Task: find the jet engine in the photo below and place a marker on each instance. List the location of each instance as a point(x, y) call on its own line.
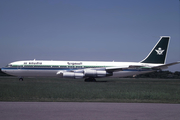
point(85, 73)
point(70, 75)
point(95, 73)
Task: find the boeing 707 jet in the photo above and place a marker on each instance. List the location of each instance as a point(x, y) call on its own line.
point(89, 70)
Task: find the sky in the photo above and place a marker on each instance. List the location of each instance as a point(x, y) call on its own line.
point(87, 30)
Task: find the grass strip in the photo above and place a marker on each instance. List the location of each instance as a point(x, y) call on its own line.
point(76, 90)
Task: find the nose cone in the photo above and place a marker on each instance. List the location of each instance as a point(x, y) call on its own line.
point(5, 72)
point(2, 71)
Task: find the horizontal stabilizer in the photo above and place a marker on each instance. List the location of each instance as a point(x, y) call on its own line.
point(165, 65)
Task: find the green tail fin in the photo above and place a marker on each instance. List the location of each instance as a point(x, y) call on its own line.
point(159, 52)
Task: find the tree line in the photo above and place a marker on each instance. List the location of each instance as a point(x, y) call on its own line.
point(160, 74)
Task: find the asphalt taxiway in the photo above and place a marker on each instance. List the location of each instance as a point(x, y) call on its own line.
point(88, 111)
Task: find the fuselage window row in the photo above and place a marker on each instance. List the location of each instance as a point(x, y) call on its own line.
point(51, 66)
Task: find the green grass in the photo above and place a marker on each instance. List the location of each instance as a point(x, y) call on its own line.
point(76, 90)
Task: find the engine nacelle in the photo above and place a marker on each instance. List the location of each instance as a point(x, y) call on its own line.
point(70, 75)
point(85, 73)
point(95, 73)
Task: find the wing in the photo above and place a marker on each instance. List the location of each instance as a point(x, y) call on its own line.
point(108, 71)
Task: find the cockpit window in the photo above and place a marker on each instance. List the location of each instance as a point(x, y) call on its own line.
point(9, 65)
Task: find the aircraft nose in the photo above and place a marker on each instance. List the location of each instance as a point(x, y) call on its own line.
point(3, 70)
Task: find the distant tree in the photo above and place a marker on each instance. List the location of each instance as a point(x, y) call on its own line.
point(177, 73)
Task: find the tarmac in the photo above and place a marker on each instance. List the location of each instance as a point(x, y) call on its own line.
point(88, 111)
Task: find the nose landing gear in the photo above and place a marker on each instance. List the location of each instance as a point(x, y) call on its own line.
point(20, 79)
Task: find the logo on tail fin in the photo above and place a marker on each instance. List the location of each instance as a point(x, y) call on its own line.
point(159, 51)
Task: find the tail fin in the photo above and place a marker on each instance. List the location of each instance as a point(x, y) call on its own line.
point(159, 52)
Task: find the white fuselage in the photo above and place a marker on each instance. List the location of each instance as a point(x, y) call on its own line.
point(39, 68)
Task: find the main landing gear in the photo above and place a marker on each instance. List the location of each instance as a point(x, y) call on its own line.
point(90, 79)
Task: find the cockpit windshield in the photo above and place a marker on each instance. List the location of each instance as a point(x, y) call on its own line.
point(9, 65)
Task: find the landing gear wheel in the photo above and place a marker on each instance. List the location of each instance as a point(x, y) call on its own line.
point(20, 79)
point(90, 80)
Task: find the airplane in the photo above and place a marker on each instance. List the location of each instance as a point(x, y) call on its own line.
point(90, 70)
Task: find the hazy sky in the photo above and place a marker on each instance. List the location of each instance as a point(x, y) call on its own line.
point(98, 30)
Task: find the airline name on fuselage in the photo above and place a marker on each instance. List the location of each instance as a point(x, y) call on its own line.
point(80, 63)
point(33, 63)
